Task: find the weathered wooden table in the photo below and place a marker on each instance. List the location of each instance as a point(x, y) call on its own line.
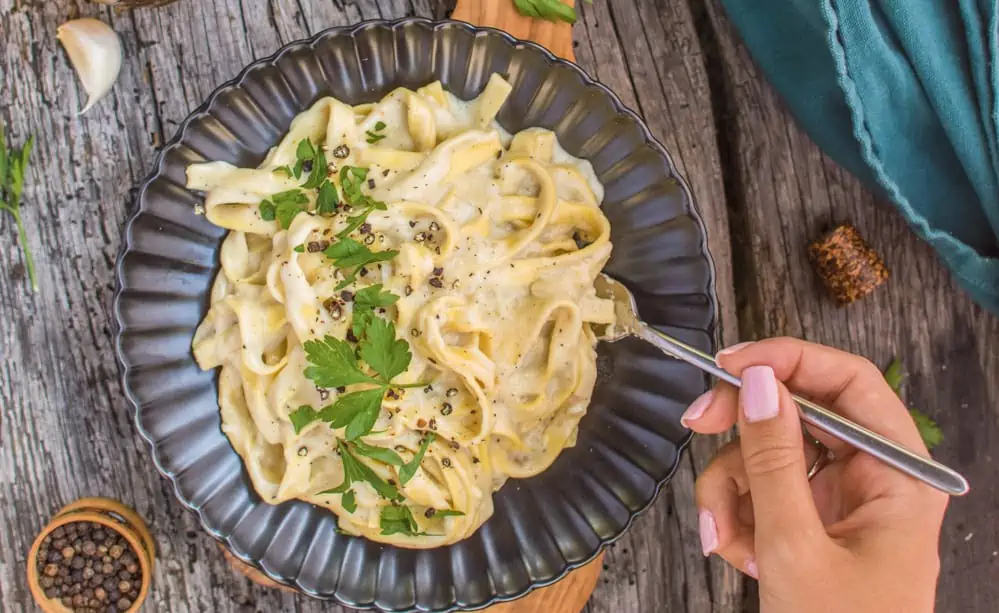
point(763, 187)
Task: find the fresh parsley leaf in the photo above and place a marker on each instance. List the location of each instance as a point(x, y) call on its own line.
point(351, 180)
point(378, 453)
point(373, 137)
point(349, 502)
point(408, 470)
point(369, 405)
point(355, 470)
point(894, 375)
point(354, 222)
point(305, 151)
point(284, 206)
point(448, 513)
point(319, 171)
point(284, 170)
point(348, 253)
point(302, 416)
point(398, 520)
point(365, 302)
point(13, 165)
point(299, 249)
point(929, 430)
point(379, 126)
point(268, 211)
point(347, 407)
point(333, 363)
point(384, 353)
point(328, 199)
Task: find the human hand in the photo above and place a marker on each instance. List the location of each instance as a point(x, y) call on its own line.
point(860, 537)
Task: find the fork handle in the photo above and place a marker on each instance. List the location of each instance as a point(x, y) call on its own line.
point(925, 469)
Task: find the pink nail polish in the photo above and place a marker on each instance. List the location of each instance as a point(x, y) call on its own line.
point(733, 348)
point(697, 408)
point(752, 569)
point(709, 531)
point(758, 396)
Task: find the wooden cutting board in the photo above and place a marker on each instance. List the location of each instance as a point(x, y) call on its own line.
point(570, 594)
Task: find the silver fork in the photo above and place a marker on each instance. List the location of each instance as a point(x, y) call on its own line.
point(925, 469)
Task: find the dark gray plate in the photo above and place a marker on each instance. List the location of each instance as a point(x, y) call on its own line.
point(629, 442)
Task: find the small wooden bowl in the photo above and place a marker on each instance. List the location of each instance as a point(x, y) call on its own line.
point(110, 514)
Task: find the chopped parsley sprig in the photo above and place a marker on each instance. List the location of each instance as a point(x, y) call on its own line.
point(376, 134)
point(333, 363)
point(355, 470)
point(350, 254)
point(13, 164)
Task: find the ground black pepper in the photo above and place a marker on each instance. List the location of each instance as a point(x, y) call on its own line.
point(341, 152)
point(89, 568)
point(436, 282)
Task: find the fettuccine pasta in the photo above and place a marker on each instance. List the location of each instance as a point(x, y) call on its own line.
point(402, 319)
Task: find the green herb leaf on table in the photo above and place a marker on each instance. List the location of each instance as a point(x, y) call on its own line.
point(383, 352)
point(894, 375)
point(333, 363)
point(929, 430)
point(302, 417)
point(397, 519)
point(378, 453)
point(408, 471)
point(13, 165)
point(552, 10)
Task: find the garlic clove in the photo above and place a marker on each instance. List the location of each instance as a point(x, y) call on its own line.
point(95, 52)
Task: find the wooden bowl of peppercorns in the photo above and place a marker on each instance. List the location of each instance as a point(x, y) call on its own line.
point(95, 556)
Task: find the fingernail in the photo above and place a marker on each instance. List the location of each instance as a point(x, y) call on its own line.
point(732, 349)
point(697, 408)
point(709, 532)
point(752, 569)
point(759, 393)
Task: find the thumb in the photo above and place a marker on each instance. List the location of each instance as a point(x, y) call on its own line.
point(774, 458)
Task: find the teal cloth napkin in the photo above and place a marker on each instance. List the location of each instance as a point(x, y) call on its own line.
point(902, 93)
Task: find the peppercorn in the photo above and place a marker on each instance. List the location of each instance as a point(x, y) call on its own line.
point(341, 152)
point(436, 282)
point(89, 568)
point(446, 409)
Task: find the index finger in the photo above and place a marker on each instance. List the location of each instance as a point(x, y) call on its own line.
point(849, 384)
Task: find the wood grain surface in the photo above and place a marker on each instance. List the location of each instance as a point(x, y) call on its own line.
point(762, 186)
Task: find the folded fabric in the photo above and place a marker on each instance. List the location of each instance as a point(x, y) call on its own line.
point(902, 93)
